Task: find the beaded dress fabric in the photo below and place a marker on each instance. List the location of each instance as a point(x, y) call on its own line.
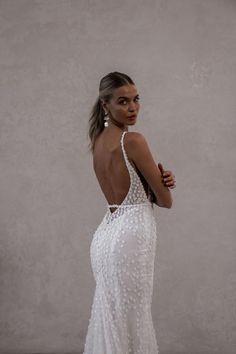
point(122, 254)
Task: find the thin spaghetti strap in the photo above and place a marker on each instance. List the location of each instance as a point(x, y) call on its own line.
point(128, 164)
point(122, 137)
point(123, 148)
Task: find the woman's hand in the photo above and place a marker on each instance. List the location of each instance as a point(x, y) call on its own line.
point(168, 178)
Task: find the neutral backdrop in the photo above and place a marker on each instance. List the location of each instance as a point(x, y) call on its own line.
point(182, 56)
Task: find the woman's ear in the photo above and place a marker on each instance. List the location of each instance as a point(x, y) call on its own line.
point(103, 103)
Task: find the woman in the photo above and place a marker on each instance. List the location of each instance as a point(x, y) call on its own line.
point(123, 247)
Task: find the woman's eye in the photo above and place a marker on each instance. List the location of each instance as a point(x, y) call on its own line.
point(124, 101)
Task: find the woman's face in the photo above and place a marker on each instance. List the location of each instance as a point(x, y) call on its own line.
point(123, 105)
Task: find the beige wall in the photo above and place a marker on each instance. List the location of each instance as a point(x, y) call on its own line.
point(182, 56)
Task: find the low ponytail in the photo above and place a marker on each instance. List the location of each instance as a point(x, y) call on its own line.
point(96, 124)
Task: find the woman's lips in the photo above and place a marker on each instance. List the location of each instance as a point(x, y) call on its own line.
point(132, 117)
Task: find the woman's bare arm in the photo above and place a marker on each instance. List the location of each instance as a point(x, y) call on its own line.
point(138, 150)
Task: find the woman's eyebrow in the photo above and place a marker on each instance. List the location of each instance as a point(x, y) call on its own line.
point(127, 97)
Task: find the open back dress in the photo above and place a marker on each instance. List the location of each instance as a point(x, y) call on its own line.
point(122, 254)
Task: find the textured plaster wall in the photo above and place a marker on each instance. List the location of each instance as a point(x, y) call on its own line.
point(182, 56)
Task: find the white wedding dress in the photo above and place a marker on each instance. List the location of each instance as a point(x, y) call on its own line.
point(122, 255)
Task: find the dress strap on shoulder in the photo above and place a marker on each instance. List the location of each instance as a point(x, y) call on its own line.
point(122, 137)
point(123, 148)
point(128, 164)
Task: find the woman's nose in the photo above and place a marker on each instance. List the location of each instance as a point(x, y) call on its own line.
point(132, 107)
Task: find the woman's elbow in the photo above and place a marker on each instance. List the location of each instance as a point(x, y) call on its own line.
point(165, 205)
point(169, 204)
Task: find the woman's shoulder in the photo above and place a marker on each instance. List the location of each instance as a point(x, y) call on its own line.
point(137, 146)
point(134, 138)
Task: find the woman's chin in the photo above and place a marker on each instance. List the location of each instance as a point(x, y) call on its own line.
point(132, 121)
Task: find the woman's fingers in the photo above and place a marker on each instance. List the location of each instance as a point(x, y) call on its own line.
point(167, 176)
point(168, 179)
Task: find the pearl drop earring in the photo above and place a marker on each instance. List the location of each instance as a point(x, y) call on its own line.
point(106, 118)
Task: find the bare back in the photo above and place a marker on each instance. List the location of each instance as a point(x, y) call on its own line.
point(110, 168)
